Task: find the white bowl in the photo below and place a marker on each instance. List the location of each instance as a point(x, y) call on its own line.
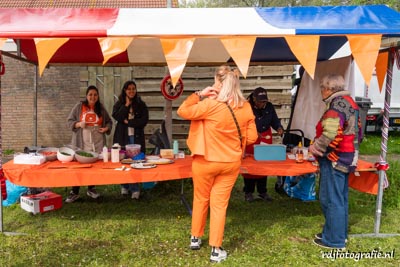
point(86, 159)
point(65, 154)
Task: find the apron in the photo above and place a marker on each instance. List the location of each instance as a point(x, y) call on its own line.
point(266, 138)
point(92, 139)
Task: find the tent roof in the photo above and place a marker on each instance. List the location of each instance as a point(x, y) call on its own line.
point(207, 35)
point(85, 3)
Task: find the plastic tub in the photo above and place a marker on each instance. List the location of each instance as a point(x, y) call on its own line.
point(132, 150)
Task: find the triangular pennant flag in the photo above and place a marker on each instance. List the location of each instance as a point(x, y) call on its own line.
point(46, 48)
point(176, 52)
point(112, 46)
point(305, 48)
point(381, 68)
point(2, 42)
point(240, 49)
point(365, 49)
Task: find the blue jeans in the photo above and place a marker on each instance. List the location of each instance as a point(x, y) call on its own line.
point(132, 187)
point(333, 197)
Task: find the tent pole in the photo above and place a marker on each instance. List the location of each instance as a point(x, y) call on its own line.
point(385, 131)
point(35, 105)
point(168, 104)
point(1, 165)
point(382, 160)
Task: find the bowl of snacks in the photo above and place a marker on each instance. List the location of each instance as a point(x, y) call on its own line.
point(83, 156)
point(65, 154)
point(50, 153)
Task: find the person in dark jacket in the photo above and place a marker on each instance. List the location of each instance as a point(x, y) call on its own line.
point(265, 118)
point(132, 115)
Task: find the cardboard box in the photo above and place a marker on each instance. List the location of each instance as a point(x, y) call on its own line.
point(167, 153)
point(40, 203)
point(270, 152)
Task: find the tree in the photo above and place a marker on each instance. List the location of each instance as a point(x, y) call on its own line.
point(395, 4)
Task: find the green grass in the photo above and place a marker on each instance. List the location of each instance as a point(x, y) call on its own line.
point(371, 143)
point(154, 231)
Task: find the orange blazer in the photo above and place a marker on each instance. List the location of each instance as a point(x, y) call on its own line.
point(213, 132)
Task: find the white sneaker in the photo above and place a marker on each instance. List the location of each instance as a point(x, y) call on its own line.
point(135, 195)
point(92, 193)
point(72, 197)
point(124, 191)
point(218, 254)
point(195, 243)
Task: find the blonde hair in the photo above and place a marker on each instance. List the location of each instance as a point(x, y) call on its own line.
point(230, 90)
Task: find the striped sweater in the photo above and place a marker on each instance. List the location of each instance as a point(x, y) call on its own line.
point(338, 132)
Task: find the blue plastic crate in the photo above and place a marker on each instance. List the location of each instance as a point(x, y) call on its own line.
point(270, 152)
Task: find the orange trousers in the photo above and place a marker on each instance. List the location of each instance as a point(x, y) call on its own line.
point(213, 183)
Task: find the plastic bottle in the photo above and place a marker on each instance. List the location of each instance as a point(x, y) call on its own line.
point(176, 147)
point(299, 154)
point(105, 154)
point(310, 155)
point(115, 153)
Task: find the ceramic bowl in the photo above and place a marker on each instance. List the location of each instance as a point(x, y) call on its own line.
point(50, 153)
point(82, 158)
point(65, 154)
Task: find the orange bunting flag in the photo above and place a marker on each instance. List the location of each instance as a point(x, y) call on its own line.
point(381, 68)
point(240, 49)
point(365, 49)
point(305, 48)
point(112, 46)
point(2, 42)
point(46, 48)
point(176, 52)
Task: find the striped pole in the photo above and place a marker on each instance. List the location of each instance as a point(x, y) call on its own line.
point(383, 182)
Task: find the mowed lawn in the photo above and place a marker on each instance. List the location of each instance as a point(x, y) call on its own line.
point(155, 231)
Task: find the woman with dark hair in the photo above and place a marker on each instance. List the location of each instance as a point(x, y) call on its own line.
point(89, 122)
point(132, 115)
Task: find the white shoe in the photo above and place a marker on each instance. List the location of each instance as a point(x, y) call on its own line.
point(92, 193)
point(124, 191)
point(135, 195)
point(195, 243)
point(218, 254)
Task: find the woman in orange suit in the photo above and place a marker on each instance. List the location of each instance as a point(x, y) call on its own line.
point(216, 140)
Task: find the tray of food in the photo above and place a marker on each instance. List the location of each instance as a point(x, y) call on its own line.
point(160, 161)
point(142, 165)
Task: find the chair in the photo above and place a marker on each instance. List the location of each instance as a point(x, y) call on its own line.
point(160, 139)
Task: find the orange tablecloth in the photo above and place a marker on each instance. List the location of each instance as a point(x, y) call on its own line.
point(367, 181)
point(100, 173)
point(276, 168)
